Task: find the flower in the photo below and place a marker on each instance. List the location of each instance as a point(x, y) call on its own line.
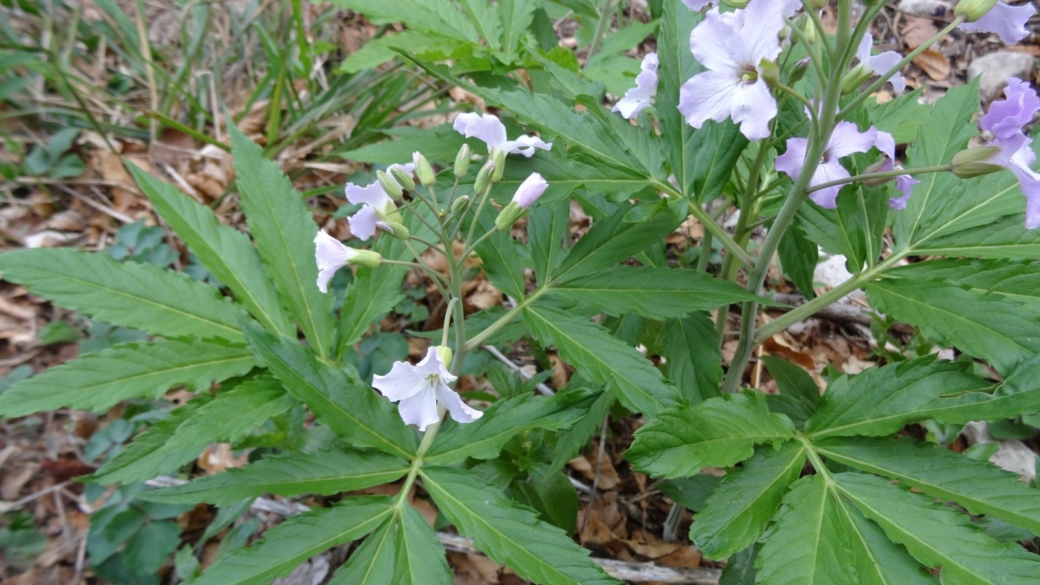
point(904, 183)
point(490, 129)
point(406, 168)
point(377, 207)
point(790, 7)
point(420, 387)
point(880, 64)
point(641, 96)
point(331, 255)
point(845, 140)
point(365, 222)
point(1006, 117)
point(732, 46)
point(372, 195)
point(1009, 22)
point(530, 190)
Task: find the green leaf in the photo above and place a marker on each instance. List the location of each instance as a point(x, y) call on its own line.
point(737, 512)
point(299, 538)
point(350, 409)
point(701, 160)
point(510, 534)
point(982, 325)
point(516, 18)
point(602, 358)
point(485, 17)
point(97, 381)
point(657, 293)
point(792, 380)
point(499, 258)
point(132, 294)
point(179, 438)
point(565, 174)
point(438, 144)
point(547, 226)
point(284, 231)
point(879, 561)
point(372, 294)
point(569, 443)
point(373, 561)
point(1015, 281)
point(226, 252)
point(151, 546)
point(717, 432)
point(937, 535)
point(611, 241)
point(690, 492)
point(323, 473)
point(980, 487)
point(799, 256)
point(1004, 238)
point(862, 213)
point(438, 16)
point(808, 543)
point(485, 437)
point(693, 360)
point(419, 557)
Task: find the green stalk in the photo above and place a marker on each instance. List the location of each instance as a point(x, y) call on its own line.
point(505, 319)
point(883, 175)
point(710, 226)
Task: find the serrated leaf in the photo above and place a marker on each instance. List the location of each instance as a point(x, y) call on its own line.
point(547, 226)
point(484, 17)
point(719, 432)
point(799, 256)
point(372, 294)
point(151, 546)
point(981, 325)
point(792, 380)
point(352, 410)
point(499, 258)
point(693, 360)
point(1004, 238)
point(284, 231)
point(419, 558)
point(438, 16)
point(570, 442)
point(485, 437)
point(807, 544)
point(1015, 281)
point(373, 562)
point(97, 381)
point(738, 511)
point(611, 241)
point(657, 293)
point(509, 533)
point(516, 18)
point(937, 535)
point(323, 473)
point(564, 174)
point(132, 294)
point(299, 538)
point(181, 436)
point(879, 561)
point(980, 487)
point(226, 252)
point(602, 358)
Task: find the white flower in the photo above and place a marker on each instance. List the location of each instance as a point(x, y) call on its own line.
point(642, 95)
point(420, 387)
point(490, 129)
point(331, 255)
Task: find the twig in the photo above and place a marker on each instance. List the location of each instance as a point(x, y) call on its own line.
point(547, 391)
point(626, 571)
point(8, 506)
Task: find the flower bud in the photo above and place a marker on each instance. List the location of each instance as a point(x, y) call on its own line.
point(423, 170)
point(445, 354)
point(363, 258)
point(499, 158)
point(769, 72)
point(396, 230)
point(975, 162)
point(484, 177)
point(798, 71)
point(392, 187)
point(973, 10)
point(458, 205)
point(854, 79)
point(403, 178)
point(529, 191)
point(809, 29)
point(508, 216)
point(462, 162)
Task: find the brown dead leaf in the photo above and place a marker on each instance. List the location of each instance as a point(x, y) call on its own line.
point(111, 168)
point(687, 557)
point(218, 458)
point(777, 346)
point(934, 63)
point(13, 483)
point(559, 376)
point(63, 469)
point(586, 465)
point(916, 31)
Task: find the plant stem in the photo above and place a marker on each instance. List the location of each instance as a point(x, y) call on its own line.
point(711, 227)
point(505, 319)
point(601, 28)
point(883, 175)
point(826, 299)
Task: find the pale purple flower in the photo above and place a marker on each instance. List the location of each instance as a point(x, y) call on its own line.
point(372, 194)
point(365, 222)
point(1006, 117)
point(845, 140)
point(407, 168)
point(1020, 162)
point(881, 63)
point(731, 46)
point(1005, 120)
point(642, 95)
point(420, 387)
point(490, 129)
point(904, 183)
point(790, 6)
point(331, 255)
point(1009, 22)
point(529, 191)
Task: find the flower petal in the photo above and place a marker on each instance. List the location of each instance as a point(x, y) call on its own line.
point(402, 381)
point(825, 173)
point(525, 145)
point(886, 143)
point(706, 96)
point(753, 106)
point(760, 26)
point(486, 127)
point(847, 139)
point(371, 194)
point(696, 5)
point(905, 185)
point(882, 63)
point(1006, 117)
point(363, 224)
point(530, 190)
point(641, 96)
point(717, 44)
point(791, 162)
point(330, 255)
point(420, 409)
point(1009, 22)
point(460, 412)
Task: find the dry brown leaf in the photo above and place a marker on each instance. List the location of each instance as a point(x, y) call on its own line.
point(934, 63)
point(777, 346)
point(916, 31)
point(218, 458)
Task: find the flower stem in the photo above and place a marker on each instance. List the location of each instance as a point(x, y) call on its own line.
point(601, 27)
point(505, 319)
point(711, 227)
point(883, 175)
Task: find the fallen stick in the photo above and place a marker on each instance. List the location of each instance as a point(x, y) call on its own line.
point(626, 571)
